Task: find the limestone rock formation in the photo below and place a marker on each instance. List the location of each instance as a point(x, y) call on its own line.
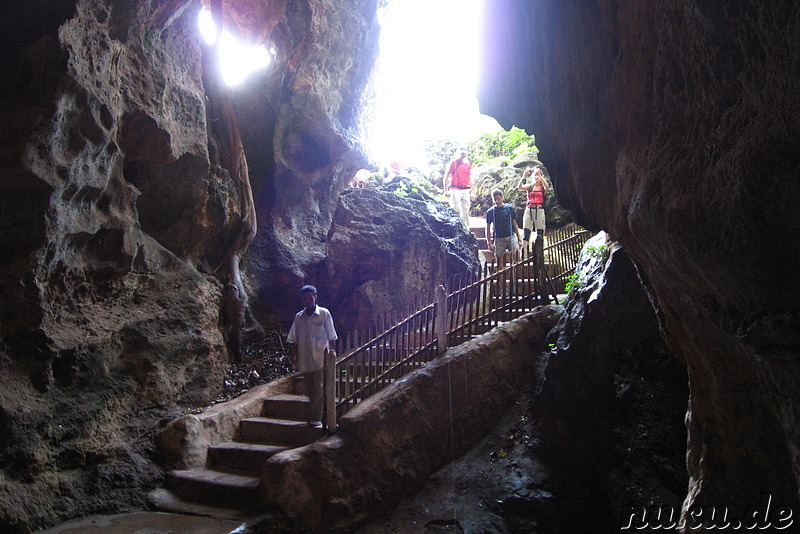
point(674, 127)
point(380, 242)
point(129, 181)
point(607, 313)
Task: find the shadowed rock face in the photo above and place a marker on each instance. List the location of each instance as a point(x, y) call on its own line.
point(674, 126)
point(380, 242)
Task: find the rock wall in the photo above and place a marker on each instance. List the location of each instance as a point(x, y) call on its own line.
point(109, 213)
point(121, 193)
point(380, 242)
point(606, 314)
point(674, 126)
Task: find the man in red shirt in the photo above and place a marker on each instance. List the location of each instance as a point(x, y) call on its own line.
point(457, 185)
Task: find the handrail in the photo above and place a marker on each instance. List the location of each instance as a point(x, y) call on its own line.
point(567, 239)
point(477, 302)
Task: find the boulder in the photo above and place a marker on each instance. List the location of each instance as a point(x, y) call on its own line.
point(386, 252)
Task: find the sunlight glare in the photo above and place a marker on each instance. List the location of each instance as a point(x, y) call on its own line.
point(208, 30)
point(426, 78)
point(237, 60)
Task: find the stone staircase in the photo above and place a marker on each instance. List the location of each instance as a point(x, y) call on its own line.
point(477, 225)
point(228, 486)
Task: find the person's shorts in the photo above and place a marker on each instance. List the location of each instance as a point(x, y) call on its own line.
point(505, 244)
point(533, 219)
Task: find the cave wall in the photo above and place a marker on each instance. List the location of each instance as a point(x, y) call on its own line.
point(674, 126)
point(108, 214)
point(125, 177)
point(315, 111)
point(116, 218)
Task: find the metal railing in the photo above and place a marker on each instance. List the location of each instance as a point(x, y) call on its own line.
point(562, 252)
point(472, 304)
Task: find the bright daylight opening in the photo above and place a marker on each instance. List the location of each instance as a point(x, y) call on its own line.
point(426, 78)
point(237, 60)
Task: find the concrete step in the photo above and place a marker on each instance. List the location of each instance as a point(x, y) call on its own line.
point(287, 406)
point(212, 487)
point(478, 231)
point(249, 457)
point(278, 431)
point(166, 501)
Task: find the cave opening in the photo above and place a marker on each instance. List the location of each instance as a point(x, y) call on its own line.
point(426, 78)
point(237, 59)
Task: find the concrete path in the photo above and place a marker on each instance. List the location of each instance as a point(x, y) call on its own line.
point(145, 523)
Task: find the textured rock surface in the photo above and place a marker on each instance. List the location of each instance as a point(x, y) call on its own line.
point(379, 242)
point(674, 126)
point(106, 316)
point(607, 314)
point(116, 219)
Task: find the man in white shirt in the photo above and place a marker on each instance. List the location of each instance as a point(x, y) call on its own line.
point(313, 334)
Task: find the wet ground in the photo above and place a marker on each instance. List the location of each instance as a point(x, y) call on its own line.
point(472, 493)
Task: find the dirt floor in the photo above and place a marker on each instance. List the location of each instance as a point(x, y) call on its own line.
point(262, 362)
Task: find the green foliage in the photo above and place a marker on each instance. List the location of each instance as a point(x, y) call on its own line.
point(498, 148)
point(600, 251)
point(405, 189)
point(574, 281)
point(504, 145)
point(439, 152)
point(375, 179)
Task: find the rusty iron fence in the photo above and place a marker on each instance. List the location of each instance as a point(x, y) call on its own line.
point(562, 252)
point(472, 304)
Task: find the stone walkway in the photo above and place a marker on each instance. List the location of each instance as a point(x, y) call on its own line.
point(146, 523)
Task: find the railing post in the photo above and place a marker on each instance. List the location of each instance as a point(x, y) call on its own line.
point(441, 318)
point(541, 274)
point(329, 390)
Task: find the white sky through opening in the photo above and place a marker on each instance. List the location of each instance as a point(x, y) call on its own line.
point(237, 59)
point(426, 78)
